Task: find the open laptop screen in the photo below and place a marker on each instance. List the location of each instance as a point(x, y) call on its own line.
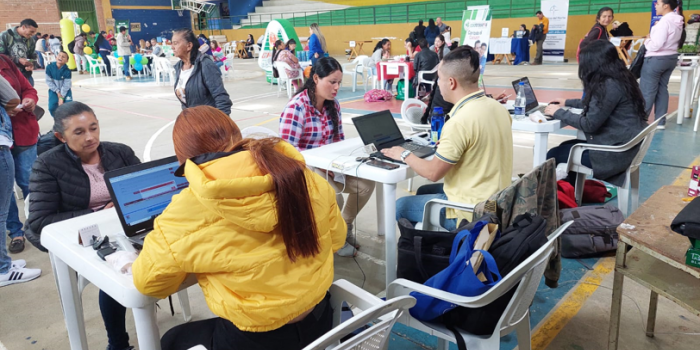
point(530, 97)
point(379, 128)
point(142, 194)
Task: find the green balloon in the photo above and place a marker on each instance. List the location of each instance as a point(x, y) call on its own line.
point(79, 21)
point(144, 60)
point(94, 55)
point(132, 60)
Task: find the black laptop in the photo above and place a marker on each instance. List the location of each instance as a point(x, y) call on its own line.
point(532, 105)
point(141, 192)
point(380, 128)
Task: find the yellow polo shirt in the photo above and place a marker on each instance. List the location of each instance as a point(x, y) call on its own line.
point(478, 141)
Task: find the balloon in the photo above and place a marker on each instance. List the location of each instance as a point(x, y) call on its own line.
point(116, 55)
point(96, 56)
point(132, 60)
point(144, 60)
point(138, 67)
point(138, 57)
point(79, 21)
point(120, 60)
point(87, 50)
point(86, 28)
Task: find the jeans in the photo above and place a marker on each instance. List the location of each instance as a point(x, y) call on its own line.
point(114, 317)
point(104, 56)
point(7, 180)
point(127, 67)
point(24, 157)
point(40, 59)
point(30, 79)
point(656, 73)
point(53, 100)
point(80, 62)
point(412, 207)
point(220, 334)
point(561, 155)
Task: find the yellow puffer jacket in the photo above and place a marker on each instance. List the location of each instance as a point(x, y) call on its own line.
point(224, 229)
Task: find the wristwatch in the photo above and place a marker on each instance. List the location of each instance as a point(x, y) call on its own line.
point(405, 154)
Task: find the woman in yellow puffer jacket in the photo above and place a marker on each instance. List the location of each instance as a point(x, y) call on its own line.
point(259, 231)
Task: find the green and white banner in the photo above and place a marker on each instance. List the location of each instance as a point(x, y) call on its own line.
point(279, 29)
point(476, 26)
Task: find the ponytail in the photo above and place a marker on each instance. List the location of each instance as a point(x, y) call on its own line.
point(295, 216)
point(275, 51)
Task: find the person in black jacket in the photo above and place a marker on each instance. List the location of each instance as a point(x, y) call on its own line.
point(425, 60)
point(419, 31)
point(197, 78)
point(613, 113)
point(600, 28)
point(68, 181)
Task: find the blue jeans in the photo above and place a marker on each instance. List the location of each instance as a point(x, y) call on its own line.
point(40, 57)
point(104, 55)
point(114, 317)
point(127, 67)
point(31, 80)
point(412, 207)
point(53, 100)
point(24, 158)
point(7, 180)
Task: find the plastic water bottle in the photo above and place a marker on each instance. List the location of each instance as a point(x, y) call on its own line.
point(437, 120)
point(520, 103)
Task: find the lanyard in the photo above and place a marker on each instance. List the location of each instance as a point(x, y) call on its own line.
point(459, 106)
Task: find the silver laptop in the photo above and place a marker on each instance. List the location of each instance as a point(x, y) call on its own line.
point(532, 105)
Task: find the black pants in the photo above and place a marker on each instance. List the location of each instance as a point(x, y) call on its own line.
point(221, 334)
point(561, 155)
point(114, 317)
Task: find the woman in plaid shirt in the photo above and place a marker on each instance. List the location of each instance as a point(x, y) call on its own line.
point(312, 119)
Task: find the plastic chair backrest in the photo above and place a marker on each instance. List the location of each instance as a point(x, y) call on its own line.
point(258, 132)
point(412, 110)
point(645, 137)
point(374, 337)
point(282, 69)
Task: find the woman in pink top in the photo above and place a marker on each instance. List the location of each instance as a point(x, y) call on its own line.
point(661, 58)
point(284, 53)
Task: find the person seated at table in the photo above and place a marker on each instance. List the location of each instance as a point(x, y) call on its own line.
point(411, 48)
point(524, 30)
point(475, 153)
point(274, 225)
point(68, 182)
point(312, 119)
point(600, 28)
point(613, 113)
point(157, 49)
point(281, 54)
point(426, 60)
point(382, 51)
point(249, 46)
point(440, 47)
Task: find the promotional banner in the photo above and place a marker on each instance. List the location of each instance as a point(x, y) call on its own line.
point(476, 31)
point(654, 17)
point(557, 12)
point(279, 29)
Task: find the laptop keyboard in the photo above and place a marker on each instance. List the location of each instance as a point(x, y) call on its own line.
point(538, 109)
point(412, 146)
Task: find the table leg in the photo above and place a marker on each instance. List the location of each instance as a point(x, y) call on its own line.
point(353, 54)
point(682, 96)
point(616, 307)
point(651, 318)
point(67, 280)
point(540, 151)
point(359, 47)
point(147, 327)
point(386, 210)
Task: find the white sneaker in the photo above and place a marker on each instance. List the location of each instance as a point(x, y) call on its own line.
point(18, 275)
point(660, 127)
point(19, 263)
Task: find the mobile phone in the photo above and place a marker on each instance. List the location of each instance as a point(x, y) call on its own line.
point(382, 165)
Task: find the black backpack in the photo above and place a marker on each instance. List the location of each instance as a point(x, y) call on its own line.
point(517, 243)
point(71, 46)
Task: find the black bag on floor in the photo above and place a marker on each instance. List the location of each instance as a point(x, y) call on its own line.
point(593, 231)
point(517, 243)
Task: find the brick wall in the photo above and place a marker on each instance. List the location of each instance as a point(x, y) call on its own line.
point(42, 11)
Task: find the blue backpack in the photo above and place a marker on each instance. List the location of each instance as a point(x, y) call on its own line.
point(458, 278)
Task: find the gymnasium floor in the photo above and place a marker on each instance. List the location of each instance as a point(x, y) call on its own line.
point(574, 316)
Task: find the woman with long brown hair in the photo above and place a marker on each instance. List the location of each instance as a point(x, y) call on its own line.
point(260, 244)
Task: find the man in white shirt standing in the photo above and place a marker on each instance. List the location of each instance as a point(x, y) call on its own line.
point(124, 50)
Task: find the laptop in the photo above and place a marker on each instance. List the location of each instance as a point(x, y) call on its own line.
point(532, 105)
point(380, 128)
point(141, 192)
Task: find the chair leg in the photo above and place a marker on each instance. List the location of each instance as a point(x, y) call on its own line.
point(354, 82)
point(522, 330)
point(623, 194)
point(634, 191)
point(578, 189)
point(185, 304)
point(410, 185)
point(443, 344)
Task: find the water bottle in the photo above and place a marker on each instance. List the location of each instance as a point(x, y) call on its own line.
point(437, 120)
point(520, 103)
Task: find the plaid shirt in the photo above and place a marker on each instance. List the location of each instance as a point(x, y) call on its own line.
point(302, 125)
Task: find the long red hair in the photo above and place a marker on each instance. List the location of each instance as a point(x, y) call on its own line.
point(204, 129)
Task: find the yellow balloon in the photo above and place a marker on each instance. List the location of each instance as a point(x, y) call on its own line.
point(87, 50)
point(86, 28)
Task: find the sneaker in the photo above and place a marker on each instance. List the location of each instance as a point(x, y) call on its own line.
point(18, 275)
point(16, 246)
point(19, 263)
point(660, 127)
point(128, 78)
point(347, 251)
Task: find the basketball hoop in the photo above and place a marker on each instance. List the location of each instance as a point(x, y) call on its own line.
point(180, 13)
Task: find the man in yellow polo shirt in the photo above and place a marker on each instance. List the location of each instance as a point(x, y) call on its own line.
point(475, 153)
point(544, 25)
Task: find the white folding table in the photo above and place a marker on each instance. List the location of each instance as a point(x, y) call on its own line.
point(70, 259)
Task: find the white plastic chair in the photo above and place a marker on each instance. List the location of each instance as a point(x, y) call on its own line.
point(117, 68)
point(354, 69)
point(162, 68)
point(258, 132)
point(48, 58)
point(383, 313)
point(516, 316)
point(368, 65)
point(95, 63)
point(422, 80)
point(256, 51)
point(411, 111)
point(628, 193)
point(228, 63)
point(282, 69)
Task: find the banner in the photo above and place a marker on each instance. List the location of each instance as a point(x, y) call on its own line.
point(557, 12)
point(279, 29)
point(654, 17)
point(476, 31)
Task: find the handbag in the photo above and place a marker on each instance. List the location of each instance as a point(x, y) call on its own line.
point(638, 62)
point(422, 254)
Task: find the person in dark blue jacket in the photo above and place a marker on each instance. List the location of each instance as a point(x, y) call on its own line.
point(431, 32)
point(317, 44)
point(104, 48)
point(58, 78)
point(202, 41)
